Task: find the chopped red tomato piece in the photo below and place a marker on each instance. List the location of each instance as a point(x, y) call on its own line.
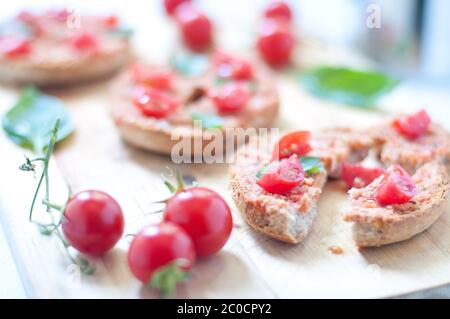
point(84, 41)
point(172, 5)
point(356, 175)
point(195, 27)
point(230, 97)
point(13, 47)
point(154, 103)
point(159, 79)
point(293, 143)
point(396, 188)
point(414, 125)
point(275, 43)
point(280, 177)
point(110, 21)
point(278, 10)
point(228, 66)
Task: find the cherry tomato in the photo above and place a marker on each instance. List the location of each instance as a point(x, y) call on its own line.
point(157, 246)
point(13, 47)
point(278, 10)
point(275, 43)
point(356, 175)
point(158, 79)
point(83, 42)
point(195, 27)
point(110, 21)
point(93, 222)
point(280, 177)
point(228, 66)
point(172, 5)
point(413, 126)
point(397, 187)
point(204, 215)
point(292, 143)
point(230, 97)
point(153, 102)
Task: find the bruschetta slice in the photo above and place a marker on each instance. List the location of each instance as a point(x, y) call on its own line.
point(59, 47)
point(193, 109)
point(412, 141)
point(376, 224)
point(287, 217)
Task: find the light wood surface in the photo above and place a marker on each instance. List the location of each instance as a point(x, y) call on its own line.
point(251, 265)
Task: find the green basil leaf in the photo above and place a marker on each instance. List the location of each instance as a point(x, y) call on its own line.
point(311, 165)
point(208, 120)
point(29, 123)
point(189, 64)
point(348, 86)
point(123, 32)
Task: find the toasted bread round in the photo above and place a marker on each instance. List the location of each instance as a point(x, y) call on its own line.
point(394, 148)
point(376, 225)
point(288, 217)
point(53, 59)
point(164, 135)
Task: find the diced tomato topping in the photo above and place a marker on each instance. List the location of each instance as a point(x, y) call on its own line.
point(13, 47)
point(228, 66)
point(280, 177)
point(275, 43)
point(413, 126)
point(293, 143)
point(357, 175)
point(278, 10)
point(396, 188)
point(159, 79)
point(59, 14)
point(110, 21)
point(84, 41)
point(153, 102)
point(172, 5)
point(195, 27)
point(230, 97)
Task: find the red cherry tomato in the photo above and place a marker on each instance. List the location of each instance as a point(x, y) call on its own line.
point(397, 187)
point(230, 97)
point(157, 246)
point(228, 66)
point(278, 10)
point(93, 222)
point(110, 21)
point(83, 42)
point(356, 175)
point(204, 215)
point(280, 177)
point(172, 5)
point(13, 47)
point(153, 102)
point(413, 126)
point(195, 27)
point(275, 43)
point(292, 143)
point(159, 79)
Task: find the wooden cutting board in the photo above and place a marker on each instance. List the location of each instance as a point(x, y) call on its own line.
point(251, 265)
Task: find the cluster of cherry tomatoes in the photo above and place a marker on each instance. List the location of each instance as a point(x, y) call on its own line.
point(275, 38)
point(197, 222)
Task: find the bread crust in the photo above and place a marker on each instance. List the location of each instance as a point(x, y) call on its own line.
point(288, 217)
point(376, 225)
point(53, 61)
point(162, 135)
